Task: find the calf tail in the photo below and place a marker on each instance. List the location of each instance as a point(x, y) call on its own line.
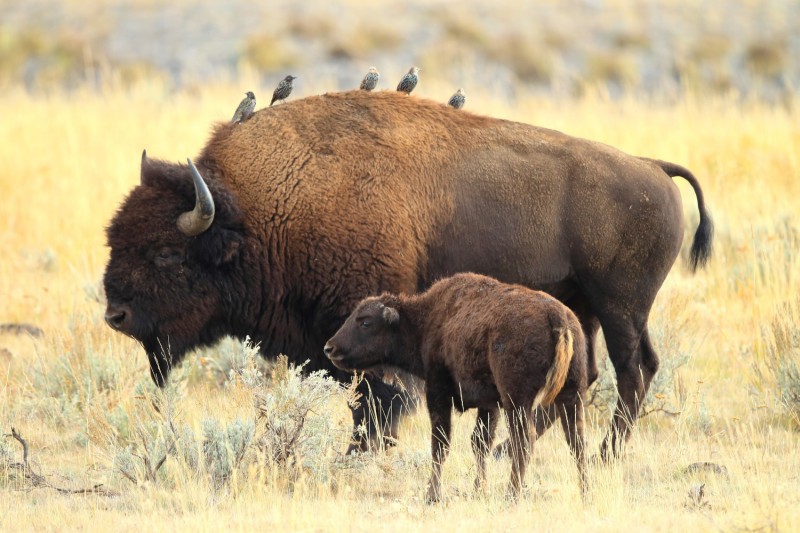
point(703, 237)
point(557, 375)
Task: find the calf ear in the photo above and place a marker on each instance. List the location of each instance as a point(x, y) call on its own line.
point(390, 315)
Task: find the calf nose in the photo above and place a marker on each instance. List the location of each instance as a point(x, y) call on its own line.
point(328, 349)
point(118, 316)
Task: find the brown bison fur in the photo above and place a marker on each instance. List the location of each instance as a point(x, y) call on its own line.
point(477, 343)
point(325, 200)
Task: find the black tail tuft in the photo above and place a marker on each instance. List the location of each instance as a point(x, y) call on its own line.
point(702, 243)
point(703, 237)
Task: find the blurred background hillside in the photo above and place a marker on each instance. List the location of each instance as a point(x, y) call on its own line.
point(556, 48)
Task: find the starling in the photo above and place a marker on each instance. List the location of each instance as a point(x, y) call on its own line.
point(458, 99)
point(283, 90)
point(371, 79)
point(409, 81)
point(245, 109)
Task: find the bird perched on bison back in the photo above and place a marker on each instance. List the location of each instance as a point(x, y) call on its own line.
point(245, 109)
point(409, 81)
point(458, 99)
point(370, 81)
point(283, 90)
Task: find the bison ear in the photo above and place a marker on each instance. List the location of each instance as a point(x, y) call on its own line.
point(232, 250)
point(391, 316)
point(219, 246)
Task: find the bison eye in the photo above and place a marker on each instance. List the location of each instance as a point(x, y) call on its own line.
point(366, 323)
point(167, 257)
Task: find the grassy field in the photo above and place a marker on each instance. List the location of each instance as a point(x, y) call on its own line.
point(82, 398)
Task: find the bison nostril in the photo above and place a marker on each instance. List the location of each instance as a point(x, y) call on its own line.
point(116, 317)
point(328, 349)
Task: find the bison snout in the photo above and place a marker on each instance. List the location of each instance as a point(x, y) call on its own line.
point(328, 349)
point(334, 354)
point(119, 317)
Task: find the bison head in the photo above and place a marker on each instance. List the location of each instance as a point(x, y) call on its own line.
point(175, 247)
point(367, 337)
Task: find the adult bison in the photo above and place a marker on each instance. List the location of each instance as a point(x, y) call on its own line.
point(291, 218)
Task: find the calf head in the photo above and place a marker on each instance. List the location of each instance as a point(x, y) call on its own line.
point(367, 337)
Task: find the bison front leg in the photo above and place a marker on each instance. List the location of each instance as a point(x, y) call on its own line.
point(440, 408)
point(482, 438)
point(377, 415)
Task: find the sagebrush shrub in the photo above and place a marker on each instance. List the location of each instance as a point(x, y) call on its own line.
point(293, 414)
point(780, 363)
point(291, 429)
point(224, 448)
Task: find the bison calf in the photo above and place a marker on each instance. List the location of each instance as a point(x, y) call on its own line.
point(477, 343)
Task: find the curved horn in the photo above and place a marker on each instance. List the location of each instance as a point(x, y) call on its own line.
point(144, 162)
point(199, 219)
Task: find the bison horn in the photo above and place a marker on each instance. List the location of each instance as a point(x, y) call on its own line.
point(199, 219)
point(144, 162)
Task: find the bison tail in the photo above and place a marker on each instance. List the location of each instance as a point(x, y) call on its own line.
point(703, 236)
point(557, 375)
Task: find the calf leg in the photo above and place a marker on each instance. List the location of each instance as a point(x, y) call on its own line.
point(543, 418)
point(440, 409)
point(572, 421)
point(518, 419)
point(482, 437)
point(635, 362)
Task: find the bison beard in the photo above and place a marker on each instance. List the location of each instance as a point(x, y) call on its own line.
point(160, 365)
point(372, 192)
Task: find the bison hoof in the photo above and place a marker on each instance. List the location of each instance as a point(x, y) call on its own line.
point(603, 459)
point(366, 445)
point(501, 450)
point(357, 448)
point(433, 496)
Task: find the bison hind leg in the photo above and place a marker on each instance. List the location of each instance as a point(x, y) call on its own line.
point(635, 363)
point(543, 418)
point(518, 420)
point(482, 437)
point(572, 422)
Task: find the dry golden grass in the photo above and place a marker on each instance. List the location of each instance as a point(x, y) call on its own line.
point(69, 160)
